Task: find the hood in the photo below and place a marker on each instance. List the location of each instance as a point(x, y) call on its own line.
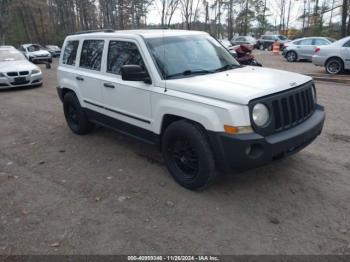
point(40, 53)
point(239, 85)
point(15, 66)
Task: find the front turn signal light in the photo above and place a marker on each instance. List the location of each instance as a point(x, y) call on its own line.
point(234, 130)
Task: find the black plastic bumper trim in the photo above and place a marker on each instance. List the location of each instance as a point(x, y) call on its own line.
point(231, 151)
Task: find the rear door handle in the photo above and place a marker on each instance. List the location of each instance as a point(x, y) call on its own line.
point(108, 85)
point(79, 78)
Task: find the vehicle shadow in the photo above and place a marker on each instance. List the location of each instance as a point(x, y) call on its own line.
point(251, 179)
point(17, 89)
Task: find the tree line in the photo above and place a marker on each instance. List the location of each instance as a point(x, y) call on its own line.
point(49, 21)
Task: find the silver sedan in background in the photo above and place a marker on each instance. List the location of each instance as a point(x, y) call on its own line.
point(304, 48)
point(335, 57)
point(16, 70)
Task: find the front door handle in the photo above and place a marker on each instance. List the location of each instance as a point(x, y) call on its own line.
point(108, 85)
point(79, 78)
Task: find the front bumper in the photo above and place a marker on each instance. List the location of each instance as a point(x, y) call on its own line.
point(38, 59)
point(30, 80)
point(252, 150)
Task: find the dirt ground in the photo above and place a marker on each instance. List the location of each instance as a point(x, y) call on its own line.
point(108, 194)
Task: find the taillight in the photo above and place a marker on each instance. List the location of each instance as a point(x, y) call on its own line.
point(317, 49)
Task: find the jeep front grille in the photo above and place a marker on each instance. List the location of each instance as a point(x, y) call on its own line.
point(288, 108)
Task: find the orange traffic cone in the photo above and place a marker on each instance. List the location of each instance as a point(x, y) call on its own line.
point(276, 48)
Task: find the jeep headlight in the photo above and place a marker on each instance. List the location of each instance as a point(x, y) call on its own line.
point(261, 115)
point(36, 71)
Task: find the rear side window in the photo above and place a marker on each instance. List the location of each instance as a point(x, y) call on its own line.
point(122, 53)
point(306, 42)
point(320, 42)
point(70, 53)
point(91, 54)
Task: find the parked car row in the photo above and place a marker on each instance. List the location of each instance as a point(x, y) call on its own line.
point(265, 42)
point(322, 51)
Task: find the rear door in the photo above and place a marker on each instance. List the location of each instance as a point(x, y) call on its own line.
point(88, 74)
point(127, 101)
point(306, 49)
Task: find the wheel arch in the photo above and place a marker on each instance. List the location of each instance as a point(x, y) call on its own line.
point(334, 57)
point(168, 119)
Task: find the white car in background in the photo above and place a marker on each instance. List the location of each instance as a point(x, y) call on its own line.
point(334, 57)
point(36, 53)
point(16, 70)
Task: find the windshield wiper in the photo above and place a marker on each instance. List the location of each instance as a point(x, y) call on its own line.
point(190, 72)
point(227, 67)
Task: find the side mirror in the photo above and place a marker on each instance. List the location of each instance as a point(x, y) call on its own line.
point(135, 73)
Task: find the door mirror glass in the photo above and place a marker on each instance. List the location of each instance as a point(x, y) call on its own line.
point(134, 73)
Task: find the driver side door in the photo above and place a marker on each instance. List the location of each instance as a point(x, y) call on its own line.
point(126, 101)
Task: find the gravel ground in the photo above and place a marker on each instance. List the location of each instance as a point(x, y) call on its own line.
point(108, 194)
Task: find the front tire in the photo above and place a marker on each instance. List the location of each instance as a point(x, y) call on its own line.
point(334, 66)
point(75, 115)
point(188, 155)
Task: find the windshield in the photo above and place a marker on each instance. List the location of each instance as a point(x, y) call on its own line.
point(184, 56)
point(11, 55)
point(34, 48)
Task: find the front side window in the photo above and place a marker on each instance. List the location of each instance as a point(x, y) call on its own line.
point(184, 56)
point(91, 54)
point(122, 53)
point(347, 44)
point(70, 53)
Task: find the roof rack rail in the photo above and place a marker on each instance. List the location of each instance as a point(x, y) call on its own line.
point(94, 31)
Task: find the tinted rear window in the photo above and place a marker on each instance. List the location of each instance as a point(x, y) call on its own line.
point(70, 53)
point(91, 54)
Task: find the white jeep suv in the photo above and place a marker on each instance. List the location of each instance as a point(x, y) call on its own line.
point(183, 91)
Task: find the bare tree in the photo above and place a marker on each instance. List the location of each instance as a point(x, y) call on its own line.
point(168, 8)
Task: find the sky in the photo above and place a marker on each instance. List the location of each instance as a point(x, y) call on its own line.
point(297, 8)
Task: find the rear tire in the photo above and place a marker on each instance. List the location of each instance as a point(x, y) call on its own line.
point(334, 66)
point(75, 115)
point(291, 56)
point(188, 155)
